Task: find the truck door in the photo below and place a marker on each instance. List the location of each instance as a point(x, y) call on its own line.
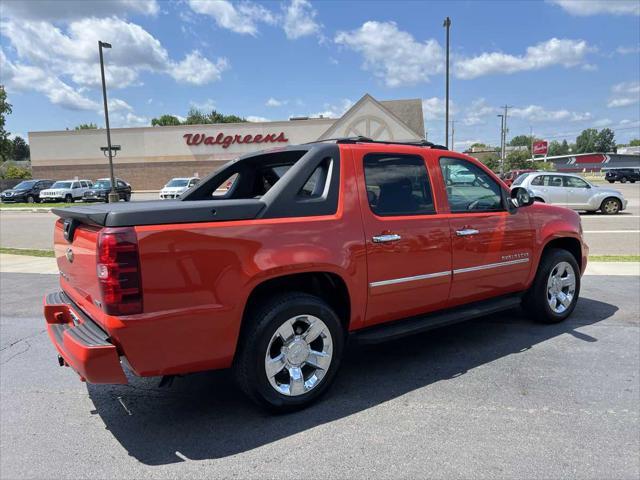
point(492, 248)
point(408, 243)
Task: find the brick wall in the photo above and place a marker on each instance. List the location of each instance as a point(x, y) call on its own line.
point(141, 176)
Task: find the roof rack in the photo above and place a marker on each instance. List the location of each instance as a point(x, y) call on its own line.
point(361, 139)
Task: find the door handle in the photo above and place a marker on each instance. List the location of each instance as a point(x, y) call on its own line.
point(391, 237)
point(467, 231)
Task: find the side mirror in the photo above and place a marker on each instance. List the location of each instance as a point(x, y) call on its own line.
point(521, 197)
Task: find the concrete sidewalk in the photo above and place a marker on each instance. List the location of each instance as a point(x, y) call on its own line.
point(25, 264)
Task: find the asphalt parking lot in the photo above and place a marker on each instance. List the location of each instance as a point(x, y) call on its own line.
point(500, 397)
point(606, 235)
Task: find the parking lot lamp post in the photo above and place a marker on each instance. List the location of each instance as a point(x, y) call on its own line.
point(447, 25)
point(501, 144)
point(113, 196)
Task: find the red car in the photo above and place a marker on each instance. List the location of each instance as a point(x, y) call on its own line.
point(509, 177)
point(310, 245)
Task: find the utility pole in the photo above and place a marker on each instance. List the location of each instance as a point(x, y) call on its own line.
point(501, 144)
point(447, 25)
point(504, 136)
point(453, 131)
point(113, 196)
point(531, 138)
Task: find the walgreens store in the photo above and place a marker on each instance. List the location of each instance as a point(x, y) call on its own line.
point(150, 156)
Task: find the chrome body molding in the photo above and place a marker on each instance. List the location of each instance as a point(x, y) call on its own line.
point(490, 265)
point(428, 276)
point(393, 281)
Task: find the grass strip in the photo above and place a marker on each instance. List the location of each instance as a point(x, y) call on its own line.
point(31, 252)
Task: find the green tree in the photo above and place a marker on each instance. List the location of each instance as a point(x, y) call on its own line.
point(521, 141)
point(165, 120)
point(517, 160)
point(6, 146)
point(586, 141)
point(20, 149)
point(492, 161)
point(605, 141)
point(13, 171)
point(635, 142)
point(86, 126)
point(558, 148)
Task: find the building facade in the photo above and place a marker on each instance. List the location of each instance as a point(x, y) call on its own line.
point(150, 156)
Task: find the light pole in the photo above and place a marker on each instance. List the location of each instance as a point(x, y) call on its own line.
point(447, 25)
point(113, 196)
point(501, 144)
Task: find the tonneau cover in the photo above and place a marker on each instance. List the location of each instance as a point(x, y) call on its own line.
point(124, 214)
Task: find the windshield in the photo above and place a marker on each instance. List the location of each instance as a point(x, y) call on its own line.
point(177, 182)
point(24, 185)
point(102, 184)
point(520, 179)
point(61, 185)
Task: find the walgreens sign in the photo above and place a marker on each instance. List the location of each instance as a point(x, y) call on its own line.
point(226, 141)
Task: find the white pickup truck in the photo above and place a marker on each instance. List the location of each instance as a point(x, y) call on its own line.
point(66, 191)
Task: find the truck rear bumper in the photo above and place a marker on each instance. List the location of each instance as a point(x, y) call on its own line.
point(81, 343)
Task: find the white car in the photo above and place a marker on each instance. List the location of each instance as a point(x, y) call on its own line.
point(176, 186)
point(571, 191)
point(65, 191)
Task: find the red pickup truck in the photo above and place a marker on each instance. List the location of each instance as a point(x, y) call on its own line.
point(310, 245)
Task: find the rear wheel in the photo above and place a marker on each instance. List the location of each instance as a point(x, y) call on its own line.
point(68, 198)
point(554, 292)
point(611, 206)
point(30, 199)
point(623, 180)
point(127, 197)
point(611, 181)
point(290, 352)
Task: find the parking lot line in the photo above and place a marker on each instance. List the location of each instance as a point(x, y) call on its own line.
point(612, 231)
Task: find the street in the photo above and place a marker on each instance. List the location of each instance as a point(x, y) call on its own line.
point(500, 397)
point(606, 235)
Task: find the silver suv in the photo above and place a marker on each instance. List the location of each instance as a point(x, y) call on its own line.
point(571, 191)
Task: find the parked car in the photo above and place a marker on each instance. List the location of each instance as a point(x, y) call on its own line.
point(622, 175)
point(26, 191)
point(65, 191)
point(509, 177)
point(100, 191)
point(177, 186)
point(572, 191)
point(311, 244)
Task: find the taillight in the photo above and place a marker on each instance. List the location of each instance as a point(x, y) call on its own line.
point(118, 269)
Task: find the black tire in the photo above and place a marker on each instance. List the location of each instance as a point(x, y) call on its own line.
point(538, 199)
point(31, 199)
point(632, 181)
point(623, 180)
point(611, 206)
point(68, 199)
point(127, 197)
point(611, 181)
point(536, 302)
point(261, 324)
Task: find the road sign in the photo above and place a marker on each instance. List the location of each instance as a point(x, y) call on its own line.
point(540, 147)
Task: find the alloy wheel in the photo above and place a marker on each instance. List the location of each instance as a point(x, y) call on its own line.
point(611, 206)
point(299, 355)
point(561, 287)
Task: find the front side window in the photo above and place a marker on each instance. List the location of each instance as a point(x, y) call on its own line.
point(62, 185)
point(121, 184)
point(469, 188)
point(553, 181)
point(397, 185)
point(575, 182)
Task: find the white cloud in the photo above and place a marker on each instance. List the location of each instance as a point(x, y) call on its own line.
point(198, 70)
point(75, 9)
point(206, 106)
point(238, 17)
point(392, 54)
point(299, 20)
point(565, 52)
point(595, 7)
point(434, 108)
point(274, 102)
point(536, 113)
point(117, 105)
point(478, 111)
point(628, 50)
point(334, 110)
point(254, 118)
point(624, 94)
point(603, 122)
point(128, 119)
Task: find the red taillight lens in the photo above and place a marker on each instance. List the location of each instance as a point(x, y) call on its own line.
point(118, 270)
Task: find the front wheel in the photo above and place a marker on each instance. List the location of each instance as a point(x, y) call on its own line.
point(554, 292)
point(611, 206)
point(127, 197)
point(68, 199)
point(623, 180)
point(289, 352)
point(30, 199)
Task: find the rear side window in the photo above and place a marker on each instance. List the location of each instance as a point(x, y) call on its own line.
point(397, 185)
point(316, 185)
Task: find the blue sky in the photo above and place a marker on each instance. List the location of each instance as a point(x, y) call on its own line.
point(564, 65)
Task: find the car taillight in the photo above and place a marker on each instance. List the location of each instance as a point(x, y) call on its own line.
point(118, 269)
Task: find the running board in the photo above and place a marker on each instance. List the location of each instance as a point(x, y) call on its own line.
point(410, 326)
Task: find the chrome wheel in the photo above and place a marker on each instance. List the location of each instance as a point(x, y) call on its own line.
point(561, 287)
point(299, 355)
point(611, 206)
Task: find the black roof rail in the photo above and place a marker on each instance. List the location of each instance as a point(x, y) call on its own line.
point(361, 139)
